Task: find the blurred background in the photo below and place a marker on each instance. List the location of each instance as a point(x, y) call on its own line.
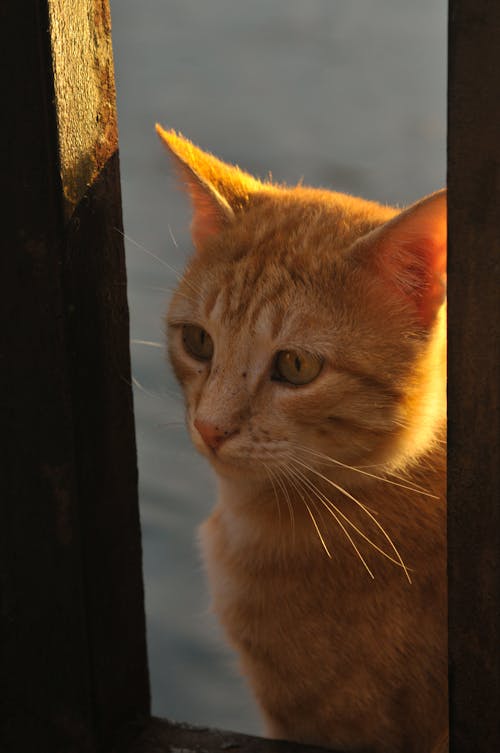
point(345, 94)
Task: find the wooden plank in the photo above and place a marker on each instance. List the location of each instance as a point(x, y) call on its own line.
point(46, 694)
point(74, 668)
point(162, 736)
point(82, 61)
point(474, 376)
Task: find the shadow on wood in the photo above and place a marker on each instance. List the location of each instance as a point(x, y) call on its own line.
point(74, 667)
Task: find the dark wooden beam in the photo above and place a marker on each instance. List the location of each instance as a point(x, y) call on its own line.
point(474, 375)
point(73, 664)
point(162, 736)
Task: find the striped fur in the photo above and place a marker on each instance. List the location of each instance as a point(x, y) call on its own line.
point(326, 549)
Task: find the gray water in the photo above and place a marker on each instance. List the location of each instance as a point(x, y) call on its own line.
point(347, 94)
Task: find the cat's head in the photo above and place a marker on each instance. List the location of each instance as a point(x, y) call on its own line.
point(306, 322)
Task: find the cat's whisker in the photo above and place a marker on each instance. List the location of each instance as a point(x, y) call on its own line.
point(140, 387)
point(187, 297)
point(157, 396)
point(150, 343)
point(170, 425)
point(150, 253)
point(156, 289)
point(342, 527)
point(345, 531)
point(178, 275)
point(328, 502)
point(362, 507)
point(413, 487)
point(299, 491)
point(268, 471)
point(171, 291)
point(317, 528)
point(172, 236)
point(286, 496)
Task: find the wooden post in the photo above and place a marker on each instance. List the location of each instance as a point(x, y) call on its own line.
point(73, 669)
point(474, 376)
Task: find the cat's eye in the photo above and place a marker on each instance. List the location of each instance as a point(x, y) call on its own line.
point(197, 342)
point(296, 367)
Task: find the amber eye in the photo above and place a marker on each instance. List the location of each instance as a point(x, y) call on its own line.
point(197, 342)
point(296, 366)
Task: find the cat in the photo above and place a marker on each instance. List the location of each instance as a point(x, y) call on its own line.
point(308, 336)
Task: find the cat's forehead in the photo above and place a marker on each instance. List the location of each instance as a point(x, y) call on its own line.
point(245, 290)
point(260, 318)
point(266, 308)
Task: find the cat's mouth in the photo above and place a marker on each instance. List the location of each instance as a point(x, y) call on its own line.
point(221, 457)
point(227, 457)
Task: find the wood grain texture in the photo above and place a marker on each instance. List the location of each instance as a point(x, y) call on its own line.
point(82, 60)
point(73, 659)
point(474, 376)
point(162, 736)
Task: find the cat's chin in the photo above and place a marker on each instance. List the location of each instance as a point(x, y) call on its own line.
point(234, 467)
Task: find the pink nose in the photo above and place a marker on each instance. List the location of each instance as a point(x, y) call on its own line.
point(213, 435)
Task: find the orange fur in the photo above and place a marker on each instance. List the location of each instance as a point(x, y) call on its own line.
point(326, 550)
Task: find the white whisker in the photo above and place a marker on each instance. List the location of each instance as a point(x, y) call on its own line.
point(283, 488)
point(171, 234)
point(147, 342)
point(347, 534)
point(140, 387)
point(165, 264)
point(362, 507)
point(413, 488)
point(297, 488)
point(328, 502)
point(274, 490)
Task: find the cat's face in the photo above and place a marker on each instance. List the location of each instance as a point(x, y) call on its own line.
point(280, 347)
point(289, 339)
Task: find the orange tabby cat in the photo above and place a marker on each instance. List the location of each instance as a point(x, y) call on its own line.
point(308, 334)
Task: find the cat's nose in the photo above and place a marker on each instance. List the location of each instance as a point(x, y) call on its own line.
point(212, 434)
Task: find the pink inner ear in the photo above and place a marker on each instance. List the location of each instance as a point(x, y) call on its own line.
point(202, 174)
point(420, 272)
point(434, 294)
point(412, 255)
point(211, 214)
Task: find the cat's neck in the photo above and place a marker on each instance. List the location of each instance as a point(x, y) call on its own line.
point(274, 521)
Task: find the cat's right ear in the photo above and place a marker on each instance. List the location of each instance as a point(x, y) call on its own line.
point(410, 253)
point(217, 190)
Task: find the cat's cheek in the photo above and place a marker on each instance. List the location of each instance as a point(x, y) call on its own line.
point(297, 413)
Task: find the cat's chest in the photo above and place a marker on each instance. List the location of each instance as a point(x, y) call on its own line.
point(313, 600)
point(263, 600)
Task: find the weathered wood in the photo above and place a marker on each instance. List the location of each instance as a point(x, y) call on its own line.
point(74, 665)
point(84, 87)
point(162, 736)
point(474, 376)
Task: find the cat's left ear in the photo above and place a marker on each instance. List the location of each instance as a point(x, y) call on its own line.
point(217, 190)
point(410, 252)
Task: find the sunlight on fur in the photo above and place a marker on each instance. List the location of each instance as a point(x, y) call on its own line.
point(308, 336)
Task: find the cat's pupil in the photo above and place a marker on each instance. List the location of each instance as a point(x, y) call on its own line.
point(297, 363)
point(202, 336)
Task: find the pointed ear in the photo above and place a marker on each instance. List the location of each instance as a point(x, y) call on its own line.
point(410, 252)
point(217, 191)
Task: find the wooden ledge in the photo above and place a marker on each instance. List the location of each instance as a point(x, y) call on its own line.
point(162, 736)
